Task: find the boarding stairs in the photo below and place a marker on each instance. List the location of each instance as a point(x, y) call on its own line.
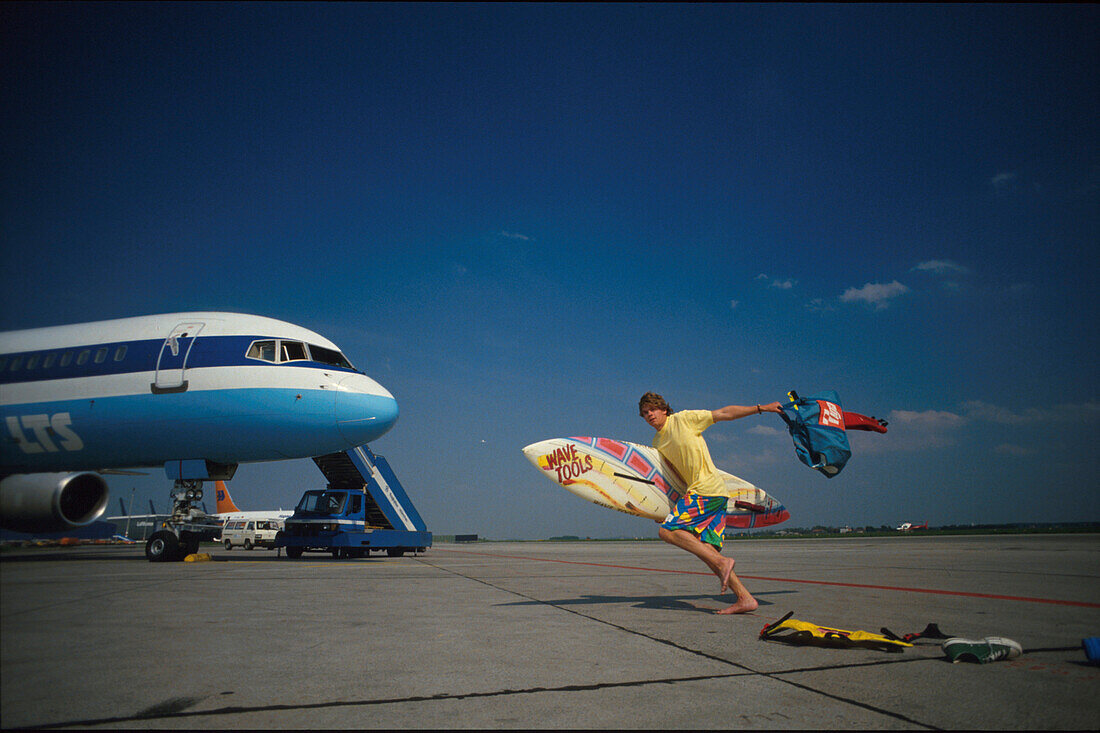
point(387, 504)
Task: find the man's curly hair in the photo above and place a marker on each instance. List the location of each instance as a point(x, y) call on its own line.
point(652, 399)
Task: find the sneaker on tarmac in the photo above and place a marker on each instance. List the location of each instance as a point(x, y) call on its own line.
point(989, 649)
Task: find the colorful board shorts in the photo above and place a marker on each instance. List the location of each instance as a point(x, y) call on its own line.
point(703, 515)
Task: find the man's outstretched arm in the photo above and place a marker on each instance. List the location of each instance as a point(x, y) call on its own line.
point(735, 412)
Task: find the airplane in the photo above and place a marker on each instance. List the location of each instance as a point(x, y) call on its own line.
point(137, 526)
point(195, 392)
point(227, 510)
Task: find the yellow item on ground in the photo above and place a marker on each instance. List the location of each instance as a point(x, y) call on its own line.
point(804, 632)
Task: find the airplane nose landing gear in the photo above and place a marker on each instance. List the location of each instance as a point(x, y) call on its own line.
point(189, 525)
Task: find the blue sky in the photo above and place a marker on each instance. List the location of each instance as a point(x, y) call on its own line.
point(519, 218)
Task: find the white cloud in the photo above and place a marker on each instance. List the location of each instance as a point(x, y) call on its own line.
point(515, 235)
point(941, 267)
point(765, 430)
point(929, 419)
point(913, 430)
point(928, 429)
point(734, 304)
point(1003, 180)
point(1076, 412)
point(777, 283)
point(876, 294)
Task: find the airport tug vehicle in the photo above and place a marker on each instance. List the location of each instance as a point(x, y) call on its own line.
point(364, 508)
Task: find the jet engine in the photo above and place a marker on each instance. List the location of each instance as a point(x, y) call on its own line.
point(51, 502)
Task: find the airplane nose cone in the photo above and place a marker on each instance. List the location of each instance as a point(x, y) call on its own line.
point(365, 410)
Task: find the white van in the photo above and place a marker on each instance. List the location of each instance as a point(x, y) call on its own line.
point(250, 533)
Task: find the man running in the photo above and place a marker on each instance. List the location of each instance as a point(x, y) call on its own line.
point(696, 522)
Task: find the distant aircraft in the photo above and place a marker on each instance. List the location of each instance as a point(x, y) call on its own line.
point(227, 510)
point(140, 526)
point(197, 393)
point(908, 526)
point(137, 526)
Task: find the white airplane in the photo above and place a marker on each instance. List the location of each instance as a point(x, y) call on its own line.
point(228, 511)
point(137, 526)
point(196, 393)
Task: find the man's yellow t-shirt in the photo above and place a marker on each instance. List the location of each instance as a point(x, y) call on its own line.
point(681, 443)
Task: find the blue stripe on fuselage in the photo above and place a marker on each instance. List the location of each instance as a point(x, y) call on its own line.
point(141, 356)
point(227, 426)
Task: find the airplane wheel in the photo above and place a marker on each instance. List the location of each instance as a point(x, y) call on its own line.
point(162, 547)
point(189, 544)
point(228, 545)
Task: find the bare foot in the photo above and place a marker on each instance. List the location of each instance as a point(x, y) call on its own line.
point(725, 571)
point(743, 605)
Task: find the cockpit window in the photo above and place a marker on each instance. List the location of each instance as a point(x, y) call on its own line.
point(262, 350)
point(328, 356)
point(279, 351)
point(292, 351)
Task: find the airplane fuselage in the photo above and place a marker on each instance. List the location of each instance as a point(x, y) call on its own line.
point(135, 392)
point(274, 516)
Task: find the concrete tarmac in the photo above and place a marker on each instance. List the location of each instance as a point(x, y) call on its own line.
point(548, 635)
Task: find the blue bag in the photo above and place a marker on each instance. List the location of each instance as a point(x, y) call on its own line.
point(816, 424)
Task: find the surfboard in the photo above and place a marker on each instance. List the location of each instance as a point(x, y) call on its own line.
point(635, 479)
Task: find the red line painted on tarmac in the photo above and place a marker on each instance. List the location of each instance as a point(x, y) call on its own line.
point(1025, 599)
